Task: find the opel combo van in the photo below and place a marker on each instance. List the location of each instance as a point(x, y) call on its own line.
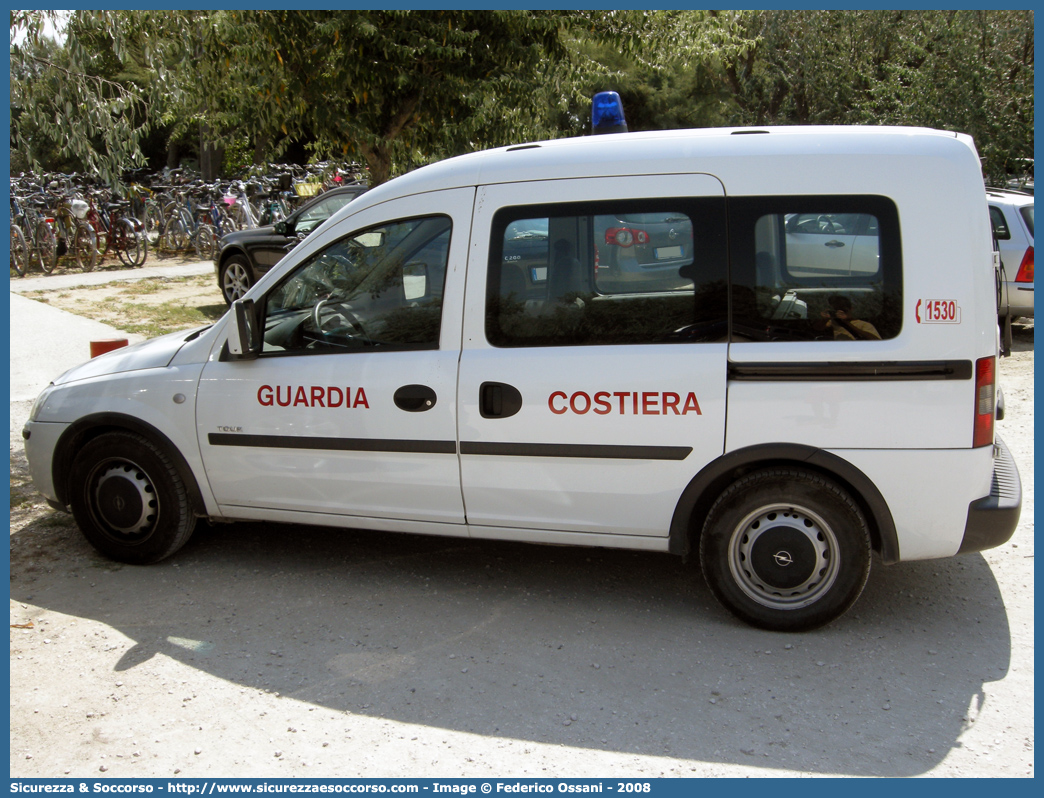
point(761, 347)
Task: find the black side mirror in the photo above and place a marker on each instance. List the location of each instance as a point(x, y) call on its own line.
point(244, 337)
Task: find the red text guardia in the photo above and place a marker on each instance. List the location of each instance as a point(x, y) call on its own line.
point(311, 396)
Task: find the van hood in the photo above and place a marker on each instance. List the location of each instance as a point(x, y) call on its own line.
point(152, 354)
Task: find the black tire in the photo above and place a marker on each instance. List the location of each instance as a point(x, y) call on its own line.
point(142, 248)
point(236, 278)
point(128, 499)
point(205, 242)
point(128, 244)
point(175, 236)
point(152, 222)
point(85, 246)
point(46, 247)
point(785, 549)
point(19, 252)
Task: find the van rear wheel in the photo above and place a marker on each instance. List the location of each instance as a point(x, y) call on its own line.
point(129, 500)
point(785, 549)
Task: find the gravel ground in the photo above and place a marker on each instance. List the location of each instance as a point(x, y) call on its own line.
point(266, 650)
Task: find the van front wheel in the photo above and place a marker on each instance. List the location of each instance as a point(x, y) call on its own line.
point(785, 549)
point(129, 500)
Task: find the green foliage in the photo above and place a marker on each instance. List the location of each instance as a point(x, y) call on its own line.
point(63, 99)
point(390, 88)
point(394, 89)
point(970, 71)
point(237, 156)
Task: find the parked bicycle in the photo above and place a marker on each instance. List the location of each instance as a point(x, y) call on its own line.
point(117, 231)
point(76, 238)
point(144, 207)
point(19, 251)
point(34, 228)
point(177, 212)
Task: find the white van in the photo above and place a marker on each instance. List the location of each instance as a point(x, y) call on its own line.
point(774, 347)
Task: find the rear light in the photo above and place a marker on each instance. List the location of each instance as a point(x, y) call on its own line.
point(1025, 274)
point(625, 236)
point(985, 401)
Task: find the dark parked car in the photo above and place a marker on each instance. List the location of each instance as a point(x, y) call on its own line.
point(243, 256)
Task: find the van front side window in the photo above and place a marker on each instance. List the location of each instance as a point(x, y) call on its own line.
point(625, 272)
point(376, 288)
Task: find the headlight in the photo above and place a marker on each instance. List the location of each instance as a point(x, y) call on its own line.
point(40, 401)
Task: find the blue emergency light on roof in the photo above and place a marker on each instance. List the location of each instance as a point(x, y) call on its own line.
point(607, 114)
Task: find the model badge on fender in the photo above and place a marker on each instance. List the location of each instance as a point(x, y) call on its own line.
point(311, 396)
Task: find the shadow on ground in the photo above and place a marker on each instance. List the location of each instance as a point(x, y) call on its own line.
point(609, 650)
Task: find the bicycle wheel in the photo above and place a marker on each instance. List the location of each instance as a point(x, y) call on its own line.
point(19, 251)
point(102, 236)
point(85, 246)
point(205, 241)
point(174, 237)
point(46, 247)
point(152, 221)
point(127, 243)
point(224, 223)
point(143, 243)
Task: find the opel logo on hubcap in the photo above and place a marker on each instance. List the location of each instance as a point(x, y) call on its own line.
point(119, 503)
point(783, 558)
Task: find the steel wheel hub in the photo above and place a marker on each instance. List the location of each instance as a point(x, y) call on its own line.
point(125, 500)
point(783, 557)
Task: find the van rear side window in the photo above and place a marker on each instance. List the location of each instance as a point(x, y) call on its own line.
point(621, 272)
point(815, 268)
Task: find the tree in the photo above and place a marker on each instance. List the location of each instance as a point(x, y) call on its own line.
point(390, 88)
point(970, 71)
point(61, 98)
point(672, 79)
point(395, 89)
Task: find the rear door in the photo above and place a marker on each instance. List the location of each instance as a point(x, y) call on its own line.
point(589, 397)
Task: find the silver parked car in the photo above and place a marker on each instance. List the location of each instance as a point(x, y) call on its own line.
point(1011, 215)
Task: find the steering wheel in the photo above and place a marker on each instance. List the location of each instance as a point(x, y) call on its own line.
point(826, 224)
point(337, 309)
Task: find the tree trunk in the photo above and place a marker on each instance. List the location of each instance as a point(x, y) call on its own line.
point(380, 168)
point(173, 155)
point(260, 149)
point(211, 155)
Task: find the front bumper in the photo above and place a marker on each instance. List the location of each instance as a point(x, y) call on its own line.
point(41, 440)
point(992, 519)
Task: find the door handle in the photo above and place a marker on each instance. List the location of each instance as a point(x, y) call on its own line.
point(834, 244)
point(498, 400)
point(415, 398)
